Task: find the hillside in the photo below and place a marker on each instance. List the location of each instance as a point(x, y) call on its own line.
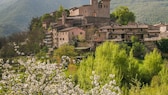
point(15, 15)
point(147, 11)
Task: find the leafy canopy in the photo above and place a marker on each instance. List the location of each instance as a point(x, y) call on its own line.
point(123, 15)
point(65, 50)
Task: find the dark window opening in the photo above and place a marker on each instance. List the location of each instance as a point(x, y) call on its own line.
point(122, 36)
point(142, 36)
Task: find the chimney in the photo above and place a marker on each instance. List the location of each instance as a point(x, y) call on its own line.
point(64, 18)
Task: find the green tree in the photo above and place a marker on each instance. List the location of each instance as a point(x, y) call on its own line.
point(151, 65)
point(109, 59)
point(47, 18)
point(123, 15)
point(59, 12)
point(138, 50)
point(163, 45)
point(65, 50)
point(84, 72)
point(7, 51)
point(35, 23)
point(134, 39)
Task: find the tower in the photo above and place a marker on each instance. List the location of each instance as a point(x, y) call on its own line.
point(104, 10)
point(64, 15)
point(93, 2)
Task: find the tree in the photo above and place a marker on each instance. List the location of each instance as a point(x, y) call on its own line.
point(35, 23)
point(123, 15)
point(151, 65)
point(138, 50)
point(163, 45)
point(65, 50)
point(47, 18)
point(7, 51)
point(59, 12)
point(109, 59)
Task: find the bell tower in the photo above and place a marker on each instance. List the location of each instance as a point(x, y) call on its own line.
point(105, 10)
point(93, 2)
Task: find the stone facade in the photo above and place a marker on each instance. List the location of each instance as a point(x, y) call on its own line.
point(97, 8)
point(120, 33)
point(57, 37)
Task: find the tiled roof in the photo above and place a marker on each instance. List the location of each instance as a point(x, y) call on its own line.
point(155, 31)
point(67, 29)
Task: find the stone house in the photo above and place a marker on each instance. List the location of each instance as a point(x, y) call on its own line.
point(164, 31)
point(70, 35)
point(59, 36)
point(120, 33)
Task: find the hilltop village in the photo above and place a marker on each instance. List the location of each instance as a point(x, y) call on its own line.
point(90, 25)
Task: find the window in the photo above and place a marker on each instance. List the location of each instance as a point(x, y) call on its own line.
point(62, 38)
point(142, 36)
point(72, 33)
point(81, 33)
point(122, 36)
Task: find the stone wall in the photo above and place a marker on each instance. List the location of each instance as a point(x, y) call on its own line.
point(97, 20)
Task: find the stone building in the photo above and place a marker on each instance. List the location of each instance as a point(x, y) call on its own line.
point(98, 13)
point(121, 33)
point(59, 36)
point(97, 8)
point(70, 35)
point(164, 31)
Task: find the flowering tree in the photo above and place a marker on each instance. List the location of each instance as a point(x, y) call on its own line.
point(48, 79)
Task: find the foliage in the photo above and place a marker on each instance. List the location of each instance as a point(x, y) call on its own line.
point(42, 54)
point(134, 39)
point(151, 66)
point(59, 12)
point(109, 58)
point(133, 67)
point(7, 51)
point(163, 45)
point(35, 23)
point(84, 72)
point(2, 41)
point(123, 15)
point(49, 78)
point(47, 18)
point(138, 50)
point(65, 50)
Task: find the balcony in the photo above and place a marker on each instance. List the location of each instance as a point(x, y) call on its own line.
point(48, 36)
point(115, 40)
point(152, 39)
